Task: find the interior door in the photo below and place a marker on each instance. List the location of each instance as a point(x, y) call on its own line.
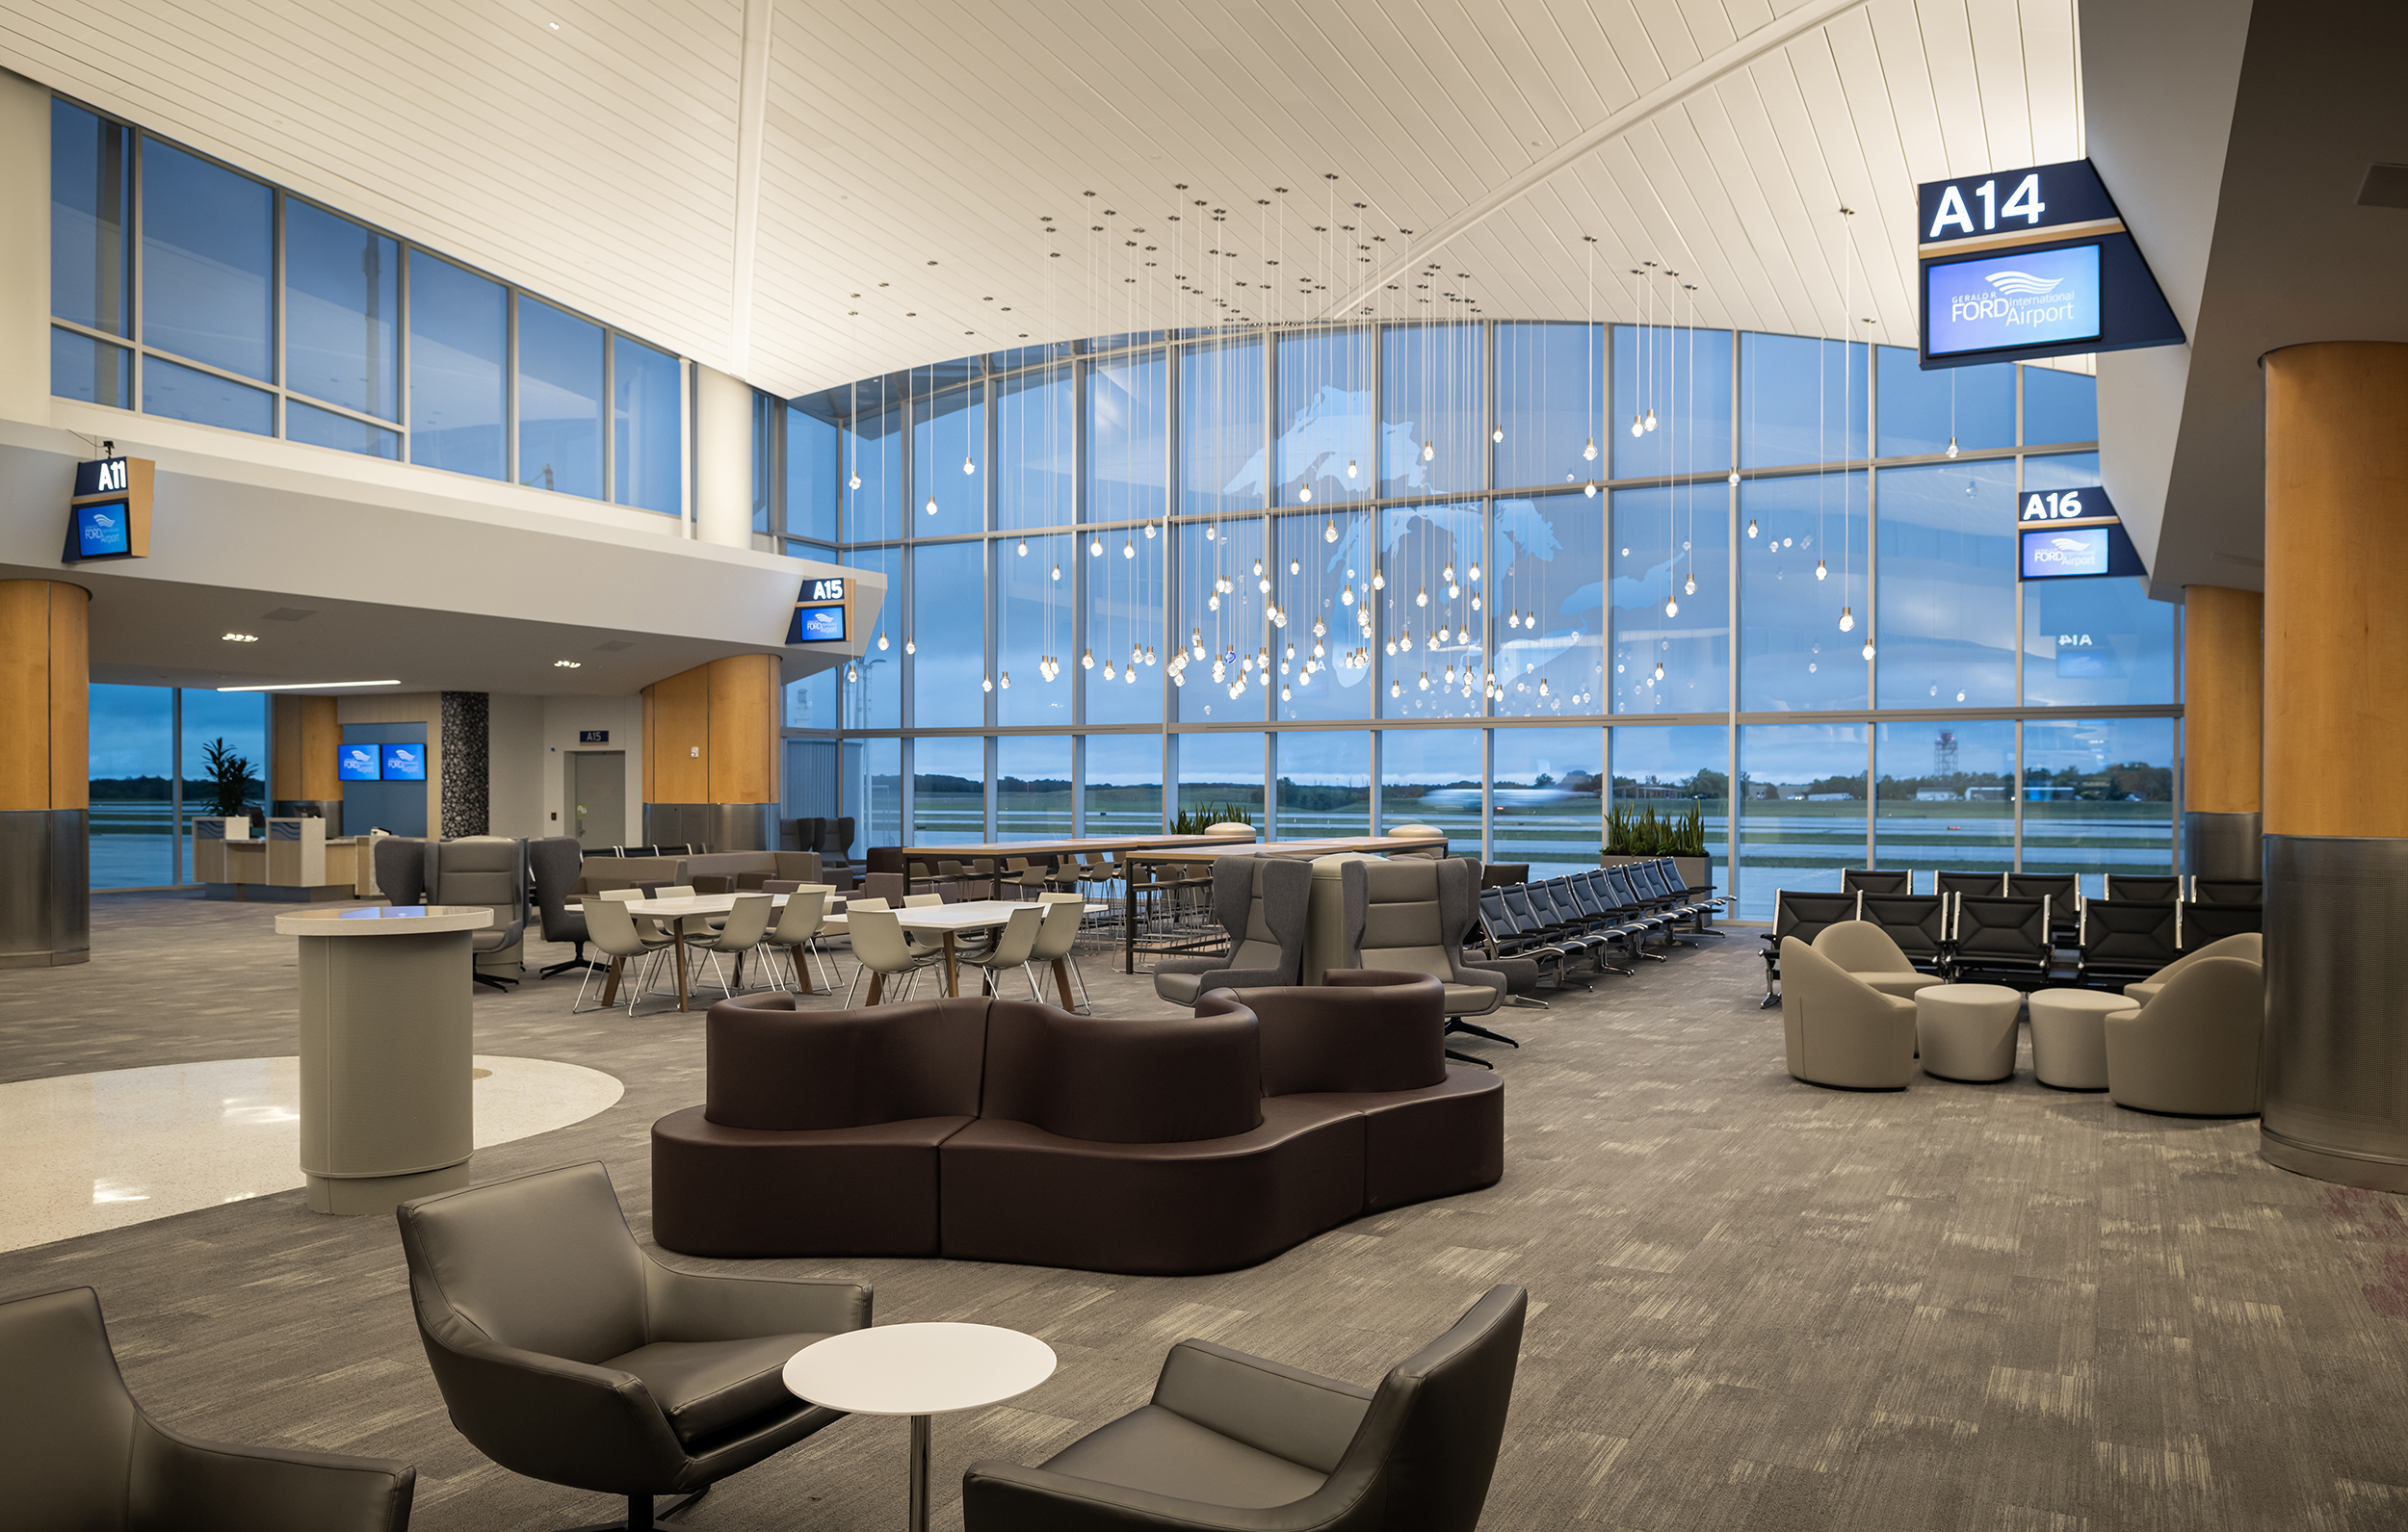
point(597, 796)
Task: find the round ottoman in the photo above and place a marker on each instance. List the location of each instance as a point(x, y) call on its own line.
point(2069, 1036)
point(1967, 1031)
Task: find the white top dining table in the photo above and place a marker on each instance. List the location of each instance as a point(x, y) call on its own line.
point(949, 921)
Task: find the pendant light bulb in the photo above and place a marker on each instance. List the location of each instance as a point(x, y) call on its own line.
point(1951, 444)
point(1395, 688)
point(1296, 566)
point(1421, 597)
point(1689, 586)
point(1751, 526)
point(1821, 572)
point(1024, 547)
point(1638, 428)
point(1095, 548)
point(1474, 573)
point(852, 672)
point(1447, 574)
point(1057, 571)
point(932, 505)
point(881, 641)
point(1588, 453)
point(1005, 679)
point(1108, 670)
point(1345, 597)
point(1847, 620)
point(1429, 451)
point(909, 646)
point(1086, 660)
point(1349, 468)
point(1868, 648)
point(1149, 531)
point(1208, 532)
point(1590, 490)
point(1659, 670)
point(1379, 581)
point(1330, 533)
point(1671, 608)
point(1128, 546)
point(1304, 496)
point(1542, 687)
point(1735, 477)
point(856, 481)
point(986, 683)
point(967, 466)
point(1651, 420)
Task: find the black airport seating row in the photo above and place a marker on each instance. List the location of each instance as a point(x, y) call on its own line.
point(1587, 916)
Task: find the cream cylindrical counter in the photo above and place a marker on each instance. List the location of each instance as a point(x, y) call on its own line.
point(386, 1035)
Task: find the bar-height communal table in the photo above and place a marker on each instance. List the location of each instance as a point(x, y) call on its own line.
point(1335, 846)
point(386, 1035)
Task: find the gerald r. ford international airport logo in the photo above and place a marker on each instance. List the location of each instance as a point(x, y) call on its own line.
point(2034, 298)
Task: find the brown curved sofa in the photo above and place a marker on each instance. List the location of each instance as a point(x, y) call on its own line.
point(993, 1129)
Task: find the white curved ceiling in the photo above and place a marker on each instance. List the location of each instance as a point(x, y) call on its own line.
point(723, 176)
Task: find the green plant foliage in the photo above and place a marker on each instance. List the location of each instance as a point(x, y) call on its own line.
point(229, 779)
point(1638, 830)
point(1197, 820)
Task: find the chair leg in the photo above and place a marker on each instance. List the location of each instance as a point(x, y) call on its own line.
point(1456, 1023)
point(642, 1518)
point(579, 961)
point(1466, 1058)
point(854, 985)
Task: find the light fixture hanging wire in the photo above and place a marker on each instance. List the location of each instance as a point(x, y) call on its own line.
point(1847, 380)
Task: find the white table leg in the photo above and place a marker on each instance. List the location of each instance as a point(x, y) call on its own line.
point(919, 1473)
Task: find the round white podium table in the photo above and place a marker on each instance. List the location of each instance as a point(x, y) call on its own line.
point(919, 1370)
point(386, 1035)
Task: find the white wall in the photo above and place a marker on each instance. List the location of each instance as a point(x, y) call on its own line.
point(563, 717)
point(514, 759)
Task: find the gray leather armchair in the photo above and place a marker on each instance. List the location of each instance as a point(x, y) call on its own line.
point(558, 862)
point(1413, 916)
point(402, 870)
point(1234, 1442)
point(77, 1452)
point(566, 1354)
point(489, 870)
point(1261, 900)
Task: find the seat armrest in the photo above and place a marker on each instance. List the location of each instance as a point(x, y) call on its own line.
point(566, 1422)
point(689, 1306)
point(1007, 1498)
point(1285, 1411)
point(1195, 965)
point(188, 1486)
point(1244, 978)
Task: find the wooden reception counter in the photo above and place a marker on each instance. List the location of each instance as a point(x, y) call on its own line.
point(296, 864)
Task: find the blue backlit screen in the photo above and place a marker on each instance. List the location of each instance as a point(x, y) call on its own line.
point(358, 762)
point(100, 529)
point(2022, 298)
point(816, 625)
point(2054, 553)
point(405, 763)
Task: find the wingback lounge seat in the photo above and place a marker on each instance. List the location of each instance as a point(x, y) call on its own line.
point(1261, 903)
point(995, 1130)
point(1373, 1042)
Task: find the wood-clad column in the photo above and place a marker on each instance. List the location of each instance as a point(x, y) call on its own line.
point(2223, 730)
point(46, 774)
point(710, 755)
point(305, 737)
point(2336, 1057)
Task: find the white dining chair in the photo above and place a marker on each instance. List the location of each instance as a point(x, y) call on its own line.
point(796, 937)
point(614, 933)
point(1011, 948)
point(879, 945)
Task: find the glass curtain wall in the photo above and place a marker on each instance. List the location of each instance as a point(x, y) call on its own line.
point(150, 775)
point(1405, 573)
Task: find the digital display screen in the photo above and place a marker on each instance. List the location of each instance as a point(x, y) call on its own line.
point(358, 762)
point(816, 625)
point(2060, 552)
point(2016, 298)
point(101, 530)
point(405, 763)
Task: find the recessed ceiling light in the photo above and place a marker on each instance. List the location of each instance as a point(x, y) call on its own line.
point(568, 664)
point(240, 637)
point(311, 685)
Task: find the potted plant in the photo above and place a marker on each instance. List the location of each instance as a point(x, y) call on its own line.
point(1635, 832)
point(229, 783)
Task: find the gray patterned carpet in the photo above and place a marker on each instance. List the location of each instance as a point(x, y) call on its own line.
point(1756, 1303)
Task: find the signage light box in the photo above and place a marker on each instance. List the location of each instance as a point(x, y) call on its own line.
point(103, 529)
point(2074, 552)
point(2012, 300)
point(359, 763)
point(816, 625)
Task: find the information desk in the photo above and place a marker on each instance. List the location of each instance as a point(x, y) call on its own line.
point(1193, 855)
point(386, 1035)
point(295, 863)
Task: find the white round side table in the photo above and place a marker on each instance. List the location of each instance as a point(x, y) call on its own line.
point(2069, 1036)
point(919, 1370)
point(1967, 1031)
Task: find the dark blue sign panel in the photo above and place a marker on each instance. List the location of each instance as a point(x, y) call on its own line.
point(2014, 299)
point(594, 737)
point(358, 762)
point(102, 476)
point(101, 530)
point(405, 763)
point(816, 625)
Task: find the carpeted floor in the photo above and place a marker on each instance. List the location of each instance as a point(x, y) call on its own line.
point(1756, 1304)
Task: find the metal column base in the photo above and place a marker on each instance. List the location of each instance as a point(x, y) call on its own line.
point(350, 1196)
point(45, 888)
point(2335, 1082)
point(2223, 845)
point(2343, 1170)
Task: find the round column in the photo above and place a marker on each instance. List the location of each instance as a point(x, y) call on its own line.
point(2223, 730)
point(2336, 1059)
point(386, 1046)
point(45, 771)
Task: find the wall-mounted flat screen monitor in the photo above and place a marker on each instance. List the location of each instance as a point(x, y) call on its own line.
point(2011, 300)
point(102, 530)
point(2059, 553)
point(405, 763)
point(816, 625)
point(359, 763)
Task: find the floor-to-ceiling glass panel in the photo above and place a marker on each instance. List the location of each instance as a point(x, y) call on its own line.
point(1440, 657)
point(1671, 599)
point(811, 702)
point(1037, 448)
point(239, 718)
point(133, 819)
point(647, 427)
point(2092, 641)
point(873, 791)
point(1432, 776)
point(1228, 623)
point(949, 635)
point(342, 311)
point(1672, 768)
point(1943, 797)
point(813, 787)
point(1124, 626)
point(1433, 433)
point(187, 393)
point(559, 399)
point(2060, 407)
point(1800, 400)
point(1324, 419)
point(948, 458)
point(815, 470)
point(1551, 398)
point(873, 691)
point(1031, 787)
point(947, 790)
point(1801, 810)
point(1327, 675)
point(92, 189)
point(1124, 784)
point(1323, 782)
point(1034, 607)
point(1923, 413)
point(1222, 773)
point(873, 467)
point(1946, 632)
point(1128, 409)
point(1546, 583)
point(1547, 798)
point(1221, 467)
point(458, 346)
point(1675, 381)
point(1793, 654)
point(2099, 797)
point(208, 263)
